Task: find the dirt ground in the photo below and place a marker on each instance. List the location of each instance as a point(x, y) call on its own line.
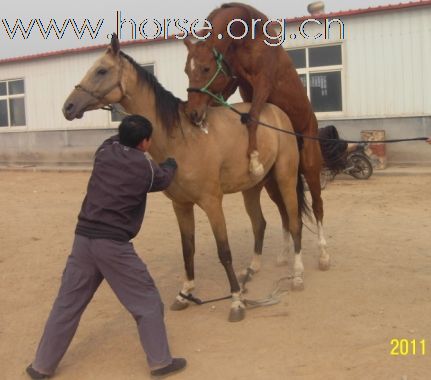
point(339, 327)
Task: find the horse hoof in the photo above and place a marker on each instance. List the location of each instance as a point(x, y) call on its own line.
point(324, 264)
point(179, 305)
point(298, 284)
point(236, 314)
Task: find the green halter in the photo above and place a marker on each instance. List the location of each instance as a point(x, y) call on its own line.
point(219, 62)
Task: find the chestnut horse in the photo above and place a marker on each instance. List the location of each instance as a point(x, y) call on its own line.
point(209, 165)
point(263, 73)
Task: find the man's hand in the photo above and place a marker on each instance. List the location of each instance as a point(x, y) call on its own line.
point(169, 162)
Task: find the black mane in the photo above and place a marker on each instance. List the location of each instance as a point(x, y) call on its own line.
point(167, 104)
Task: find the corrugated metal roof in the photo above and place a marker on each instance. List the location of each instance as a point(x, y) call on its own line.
point(354, 12)
point(49, 54)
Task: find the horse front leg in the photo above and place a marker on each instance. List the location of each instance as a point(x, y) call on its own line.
point(186, 221)
point(254, 210)
point(260, 96)
point(213, 208)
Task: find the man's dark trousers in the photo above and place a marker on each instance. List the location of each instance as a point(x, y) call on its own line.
point(90, 262)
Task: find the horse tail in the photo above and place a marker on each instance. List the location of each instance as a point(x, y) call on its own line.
point(303, 206)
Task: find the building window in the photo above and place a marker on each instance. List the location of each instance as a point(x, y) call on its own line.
point(12, 105)
point(319, 69)
point(117, 116)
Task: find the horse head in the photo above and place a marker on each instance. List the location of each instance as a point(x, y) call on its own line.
point(208, 75)
point(102, 84)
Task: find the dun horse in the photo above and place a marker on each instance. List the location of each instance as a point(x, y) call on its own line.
point(219, 64)
point(209, 165)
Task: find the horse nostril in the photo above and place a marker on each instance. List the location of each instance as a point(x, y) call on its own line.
point(194, 115)
point(69, 107)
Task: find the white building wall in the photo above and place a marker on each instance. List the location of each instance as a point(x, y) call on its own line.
point(386, 62)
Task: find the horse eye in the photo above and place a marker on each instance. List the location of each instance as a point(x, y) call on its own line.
point(206, 69)
point(102, 71)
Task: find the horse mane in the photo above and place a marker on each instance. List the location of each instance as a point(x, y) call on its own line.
point(167, 104)
point(251, 12)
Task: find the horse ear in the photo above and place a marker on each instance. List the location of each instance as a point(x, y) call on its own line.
point(115, 44)
point(189, 44)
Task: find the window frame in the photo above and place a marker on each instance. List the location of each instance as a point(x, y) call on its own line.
point(307, 70)
point(117, 122)
point(7, 97)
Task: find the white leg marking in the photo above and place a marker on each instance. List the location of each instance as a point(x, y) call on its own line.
point(321, 235)
point(324, 260)
point(298, 266)
point(255, 266)
point(188, 286)
point(256, 263)
point(284, 254)
point(237, 302)
point(298, 272)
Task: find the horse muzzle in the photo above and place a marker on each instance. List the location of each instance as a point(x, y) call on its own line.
point(70, 112)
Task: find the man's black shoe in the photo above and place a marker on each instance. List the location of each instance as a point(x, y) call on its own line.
point(176, 365)
point(34, 374)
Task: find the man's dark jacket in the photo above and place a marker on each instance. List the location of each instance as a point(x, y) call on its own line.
point(114, 206)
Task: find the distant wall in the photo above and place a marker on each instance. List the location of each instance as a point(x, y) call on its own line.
point(70, 148)
point(77, 147)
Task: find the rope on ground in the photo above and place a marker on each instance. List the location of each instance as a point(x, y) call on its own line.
point(272, 298)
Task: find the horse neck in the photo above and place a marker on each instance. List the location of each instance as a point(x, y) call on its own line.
point(219, 21)
point(140, 99)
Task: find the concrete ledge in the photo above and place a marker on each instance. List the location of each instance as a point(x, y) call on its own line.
point(403, 170)
point(45, 168)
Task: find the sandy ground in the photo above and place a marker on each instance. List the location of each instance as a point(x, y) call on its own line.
point(339, 327)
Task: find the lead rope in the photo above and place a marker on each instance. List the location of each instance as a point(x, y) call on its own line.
point(244, 116)
point(272, 298)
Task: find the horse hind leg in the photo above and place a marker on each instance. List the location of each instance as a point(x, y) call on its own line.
point(274, 193)
point(287, 179)
point(311, 170)
point(254, 210)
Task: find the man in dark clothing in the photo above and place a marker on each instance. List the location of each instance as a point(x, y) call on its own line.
point(111, 214)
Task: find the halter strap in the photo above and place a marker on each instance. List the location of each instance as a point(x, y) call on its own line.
point(102, 96)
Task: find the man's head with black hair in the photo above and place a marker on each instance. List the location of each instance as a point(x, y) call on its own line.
point(133, 130)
